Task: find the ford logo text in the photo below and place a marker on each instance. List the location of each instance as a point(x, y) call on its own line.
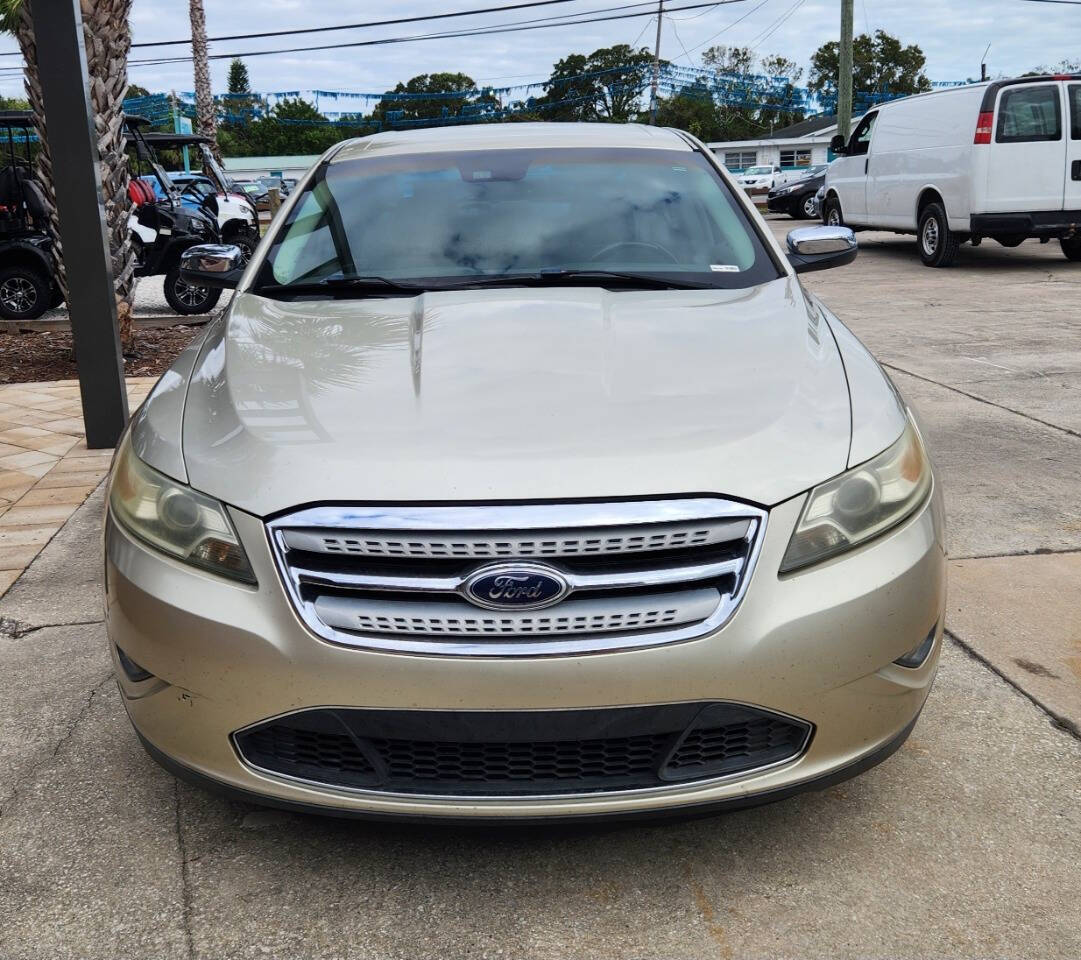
point(515, 587)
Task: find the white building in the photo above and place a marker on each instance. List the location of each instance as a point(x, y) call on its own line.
point(246, 168)
point(803, 144)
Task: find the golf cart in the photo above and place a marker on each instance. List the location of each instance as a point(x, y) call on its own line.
point(162, 229)
point(212, 190)
point(27, 272)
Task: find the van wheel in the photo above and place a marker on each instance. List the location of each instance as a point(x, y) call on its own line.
point(187, 299)
point(1010, 239)
point(24, 293)
point(1071, 247)
point(938, 246)
point(832, 216)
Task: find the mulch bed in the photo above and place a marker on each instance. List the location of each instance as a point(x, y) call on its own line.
point(28, 357)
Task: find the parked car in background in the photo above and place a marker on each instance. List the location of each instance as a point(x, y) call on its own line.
point(276, 183)
point(762, 179)
point(258, 193)
point(523, 480)
point(797, 197)
point(998, 160)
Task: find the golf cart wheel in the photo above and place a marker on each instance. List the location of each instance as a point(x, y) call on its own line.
point(24, 293)
point(246, 244)
point(187, 299)
point(1071, 247)
point(804, 209)
point(938, 245)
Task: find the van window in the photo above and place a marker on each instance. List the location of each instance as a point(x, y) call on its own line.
point(861, 136)
point(1027, 114)
point(1075, 110)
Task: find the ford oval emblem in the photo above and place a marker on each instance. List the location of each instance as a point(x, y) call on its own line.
point(514, 586)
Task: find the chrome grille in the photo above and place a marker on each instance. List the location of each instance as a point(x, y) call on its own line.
point(484, 546)
point(638, 573)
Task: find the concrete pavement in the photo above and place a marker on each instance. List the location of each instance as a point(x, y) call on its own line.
point(964, 844)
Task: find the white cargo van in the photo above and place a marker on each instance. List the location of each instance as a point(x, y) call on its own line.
point(1000, 159)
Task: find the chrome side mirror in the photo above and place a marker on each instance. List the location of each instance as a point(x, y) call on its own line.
point(819, 248)
point(219, 265)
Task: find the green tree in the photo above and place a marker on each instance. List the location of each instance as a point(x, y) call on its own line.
point(238, 81)
point(417, 107)
point(238, 104)
point(292, 126)
point(1066, 65)
point(881, 68)
point(134, 90)
point(753, 95)
point(606, 85)
point(693, 110)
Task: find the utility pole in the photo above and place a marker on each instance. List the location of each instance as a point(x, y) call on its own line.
point(844, 72)
point(656, 65)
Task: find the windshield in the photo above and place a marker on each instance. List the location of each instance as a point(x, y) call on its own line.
point(496, 214)
point(759, 170)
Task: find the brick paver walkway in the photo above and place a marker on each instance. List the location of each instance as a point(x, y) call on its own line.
point(46, 471)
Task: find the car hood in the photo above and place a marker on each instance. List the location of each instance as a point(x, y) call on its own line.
point(517, 394)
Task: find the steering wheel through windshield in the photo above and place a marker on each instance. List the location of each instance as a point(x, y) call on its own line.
point(639, 244)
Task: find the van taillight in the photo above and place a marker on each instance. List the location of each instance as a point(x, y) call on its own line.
point(983, 128)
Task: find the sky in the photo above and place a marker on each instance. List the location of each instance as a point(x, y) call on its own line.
point(953, 35)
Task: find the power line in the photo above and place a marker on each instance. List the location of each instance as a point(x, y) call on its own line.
point(347, 26)
point(514, 27)
point(358, 26)
point(738, 20)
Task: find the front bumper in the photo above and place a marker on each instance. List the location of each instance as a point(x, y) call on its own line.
point(817, 645)
point(781, 203)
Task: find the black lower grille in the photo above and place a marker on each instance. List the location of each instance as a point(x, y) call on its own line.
point(522, 752)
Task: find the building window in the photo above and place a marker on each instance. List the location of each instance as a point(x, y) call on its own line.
point(740, 159)
point(795, 158)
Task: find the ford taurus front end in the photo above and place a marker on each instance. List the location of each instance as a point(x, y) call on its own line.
point(522, 480)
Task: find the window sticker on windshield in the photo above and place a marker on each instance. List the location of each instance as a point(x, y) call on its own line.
point(724, 268)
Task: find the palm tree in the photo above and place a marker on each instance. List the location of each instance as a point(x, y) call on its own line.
point(204, 99)
point(107, 37)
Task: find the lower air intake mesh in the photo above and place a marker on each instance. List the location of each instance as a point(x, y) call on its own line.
point(521, 753)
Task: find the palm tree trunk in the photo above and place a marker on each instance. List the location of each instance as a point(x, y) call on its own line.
point(204, 98)
point(107, 35)
point(107, 38)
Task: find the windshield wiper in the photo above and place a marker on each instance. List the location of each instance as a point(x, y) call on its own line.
point(338, 284)
point(590, 277)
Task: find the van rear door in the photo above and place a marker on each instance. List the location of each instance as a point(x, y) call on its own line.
point(1026, 167)
point(1072, 197)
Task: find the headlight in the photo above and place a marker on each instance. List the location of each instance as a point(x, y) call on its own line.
point(175, 519)
point(861, 503)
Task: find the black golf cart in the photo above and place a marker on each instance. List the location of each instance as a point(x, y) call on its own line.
point(27, 273)
point(211, 189)
point(162, 227)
